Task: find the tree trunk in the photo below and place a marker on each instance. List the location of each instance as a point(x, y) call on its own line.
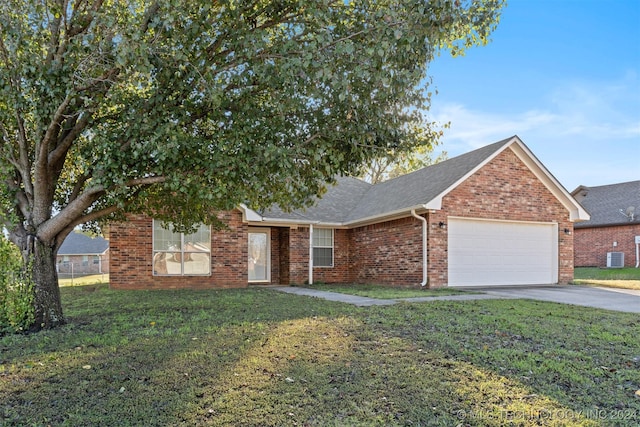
point(47, 303)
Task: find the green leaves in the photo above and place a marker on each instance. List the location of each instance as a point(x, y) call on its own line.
point(201, 105)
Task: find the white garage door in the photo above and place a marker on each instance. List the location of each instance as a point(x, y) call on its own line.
point(486, 253)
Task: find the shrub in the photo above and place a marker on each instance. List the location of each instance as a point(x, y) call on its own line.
point(16, 290)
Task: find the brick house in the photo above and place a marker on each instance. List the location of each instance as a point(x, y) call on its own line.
point(493, 216)
point(614, 227)
point(83, 254)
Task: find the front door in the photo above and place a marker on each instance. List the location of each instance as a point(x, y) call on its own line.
point(259, 255)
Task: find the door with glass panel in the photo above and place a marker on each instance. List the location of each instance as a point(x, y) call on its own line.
point(259, 255)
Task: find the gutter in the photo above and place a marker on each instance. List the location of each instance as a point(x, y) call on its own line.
point(424, 246)
point(311, 254)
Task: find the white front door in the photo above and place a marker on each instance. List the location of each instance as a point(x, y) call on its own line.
point(259, 255)
point(483, 252)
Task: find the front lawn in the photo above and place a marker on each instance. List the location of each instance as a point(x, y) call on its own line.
point(257, 357)
point(386, 292)
point(628, 278)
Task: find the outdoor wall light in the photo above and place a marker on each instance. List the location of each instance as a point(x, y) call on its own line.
point(567, 231)
point(442, 225)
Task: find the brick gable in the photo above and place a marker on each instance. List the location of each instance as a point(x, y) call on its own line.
point(503, 189)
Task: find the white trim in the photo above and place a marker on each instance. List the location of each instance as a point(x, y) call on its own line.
point(311, 254)
point(332, 247)
point(260, 230)
point(154, 251)
point(500, 270)
point(472, 218)
point(387, 216)
point(576, 211)
point(425, 227)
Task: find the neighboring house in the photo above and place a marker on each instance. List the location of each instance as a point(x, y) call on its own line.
point(82, 254)
point(494, 216)
point(614, 227)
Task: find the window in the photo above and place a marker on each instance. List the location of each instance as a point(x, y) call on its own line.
point(96, 260)
point(85, 260)
point(179, 254)
point(323, 247)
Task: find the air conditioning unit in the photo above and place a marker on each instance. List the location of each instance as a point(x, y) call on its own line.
point(615, 259)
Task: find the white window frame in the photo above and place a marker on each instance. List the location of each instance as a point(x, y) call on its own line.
point(182, 252)
point(266, 231)
point(316, 246)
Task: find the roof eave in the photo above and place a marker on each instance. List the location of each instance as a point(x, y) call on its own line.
point(610, 224)
point(396, 214)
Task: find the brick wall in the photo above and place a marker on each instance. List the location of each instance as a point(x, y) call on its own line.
point(592, 244)
point(502, 189)
point(285, 253)
point(298, 272)
point(298, 255)
point(339, 273)
point(387, 253)
point(131, 253)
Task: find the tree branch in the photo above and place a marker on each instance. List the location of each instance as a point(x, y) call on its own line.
point(57, 156)
point(53, 129)
point(78, 186)
point(25, 162)
point(92, 216)
point(148, 16)
point(74, 209)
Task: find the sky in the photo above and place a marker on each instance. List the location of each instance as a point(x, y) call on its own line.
point(563, 75)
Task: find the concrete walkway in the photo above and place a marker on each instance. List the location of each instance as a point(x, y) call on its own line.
point(366, 302)
point(597, 297)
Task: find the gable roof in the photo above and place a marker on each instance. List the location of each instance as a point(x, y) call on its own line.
point(78, 243)
point(605, 202)
point(352, 202)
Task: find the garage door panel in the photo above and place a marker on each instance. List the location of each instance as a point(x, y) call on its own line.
point(483, 253)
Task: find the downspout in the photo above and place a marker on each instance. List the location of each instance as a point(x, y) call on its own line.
point(637, 251)
point(424, 246)
point(311, 254)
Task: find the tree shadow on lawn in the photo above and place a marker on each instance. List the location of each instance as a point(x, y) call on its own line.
point(586, 359)
point(251, 357)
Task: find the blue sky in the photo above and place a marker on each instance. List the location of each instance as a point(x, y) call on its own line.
point(563, 75)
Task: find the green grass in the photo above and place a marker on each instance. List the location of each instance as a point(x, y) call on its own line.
point(256, 357)
point(386, 292)
point(628, 278)
point(84, 280)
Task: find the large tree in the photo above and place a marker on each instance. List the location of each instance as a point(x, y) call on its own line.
point(183, 107)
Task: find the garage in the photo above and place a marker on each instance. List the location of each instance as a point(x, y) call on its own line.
point(490, 252)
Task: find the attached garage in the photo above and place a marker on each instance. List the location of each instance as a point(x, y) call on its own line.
point(491, 252)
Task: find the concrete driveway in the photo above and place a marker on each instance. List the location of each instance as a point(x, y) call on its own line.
point(608, 298)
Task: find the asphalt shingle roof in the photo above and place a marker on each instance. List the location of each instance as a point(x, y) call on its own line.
point(352, 199)
point(604, 203)
point(78, 243)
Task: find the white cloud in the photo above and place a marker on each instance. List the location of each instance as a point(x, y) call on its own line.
point(588, 132)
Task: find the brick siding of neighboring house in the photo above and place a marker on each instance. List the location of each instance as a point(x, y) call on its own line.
point(593, 243)
point(82, 264)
